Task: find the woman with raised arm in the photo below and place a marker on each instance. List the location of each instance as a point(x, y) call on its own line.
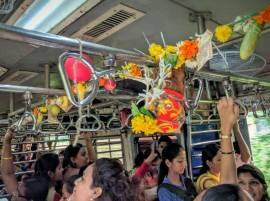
point(76, 157)
point(33, 188)
point(227, 190)
point(242, 152)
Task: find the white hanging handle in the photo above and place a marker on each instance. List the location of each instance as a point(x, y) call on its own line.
point(127, 121)
point(60, 128)
point(114, 118)
point(190, 104)
point(197, 116)
point(79, 123)
point(27, 114)
point(66, 83)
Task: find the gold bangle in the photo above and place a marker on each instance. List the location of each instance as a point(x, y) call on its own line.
point(225, 136)
point(7, 158)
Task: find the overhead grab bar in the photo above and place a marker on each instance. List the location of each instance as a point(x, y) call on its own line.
point(190, 104)
point(27, 114)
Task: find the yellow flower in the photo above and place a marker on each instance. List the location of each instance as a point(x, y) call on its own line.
point(180, 62)
point(144, 124)
point(43, 109)
point(170, 49)
point(156, 51)
point(223, 33)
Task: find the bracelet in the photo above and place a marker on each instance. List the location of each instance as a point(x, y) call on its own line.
point(227, 153)
point(225, 136)
point(6, 158)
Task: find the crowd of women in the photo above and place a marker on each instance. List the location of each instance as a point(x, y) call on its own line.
point(159, 172)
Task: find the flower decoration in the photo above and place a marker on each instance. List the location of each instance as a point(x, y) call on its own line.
point(156, 51)
point(263, 17)
point(80, 89)
point(250, 25)
point(130, 70)
point(223, 33)
point(143, 121)
point(188, 49)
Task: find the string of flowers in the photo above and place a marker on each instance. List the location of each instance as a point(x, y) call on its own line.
point(251, 26)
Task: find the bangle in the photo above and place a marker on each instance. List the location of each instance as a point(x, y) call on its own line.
point(225, 136)
point(6, 158)
point(227, 153)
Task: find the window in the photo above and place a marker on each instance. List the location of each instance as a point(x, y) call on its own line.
point(259, 132)
point(111, 147)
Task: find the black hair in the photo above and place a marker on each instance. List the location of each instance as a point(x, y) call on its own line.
point(208, 153)
point(45, 163)
point(110, 175)
point(71, 151)
point(138, 159)
point(165, 138)
point(36, 188)
point(223, 192)
point(70, 183)
point(169, 153)
point(257, 174)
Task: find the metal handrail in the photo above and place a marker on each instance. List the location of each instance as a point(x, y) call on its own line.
point(60, 128)
point(79, 123)
point(28, 113)
point(190, 104)
point(114, 118)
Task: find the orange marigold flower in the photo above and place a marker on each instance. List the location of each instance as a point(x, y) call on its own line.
point(188, 49)
point(258, 19)
point(101, 81)
point(135, 71)
point(265, 15)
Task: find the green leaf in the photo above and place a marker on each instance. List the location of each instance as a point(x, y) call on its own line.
point(146, 112)
point(134, 109)
point(170, 59)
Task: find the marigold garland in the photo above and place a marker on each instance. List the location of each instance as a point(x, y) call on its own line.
point(188, 49)
point(156, 51)
point(171, 49)
point(263, 17)
point(144, 124)
point(223, 33)
point(135, 70)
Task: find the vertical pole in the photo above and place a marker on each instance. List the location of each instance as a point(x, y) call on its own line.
point(47, 75)
point(200, 19)
point(189, 143)
point(200, 23)
point(11, 102)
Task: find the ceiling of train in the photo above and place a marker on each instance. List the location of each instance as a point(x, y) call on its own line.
point(171, 17)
